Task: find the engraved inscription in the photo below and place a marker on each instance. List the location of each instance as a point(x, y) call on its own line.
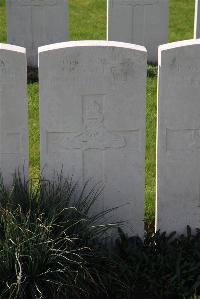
point(121, 72)
point(186, 139)
point(187, 73)
point(94, 134)
point(186, 67)
point(70, 63)
point(94, 139)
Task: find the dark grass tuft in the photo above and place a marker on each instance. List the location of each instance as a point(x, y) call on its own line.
point(49, 243)
point(53, 246)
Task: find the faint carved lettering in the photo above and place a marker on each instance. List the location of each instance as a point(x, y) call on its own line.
point(122, 71)
point(70, 63)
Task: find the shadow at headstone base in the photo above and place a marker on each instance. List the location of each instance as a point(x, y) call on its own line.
point(152, 71)
point(32, 74)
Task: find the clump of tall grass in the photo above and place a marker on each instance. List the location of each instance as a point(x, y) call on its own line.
point(49, 242)
point(53, 246)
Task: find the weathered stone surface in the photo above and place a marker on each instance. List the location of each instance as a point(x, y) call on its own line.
point(34, 23)
point(92, 101)
point(197, 19)
point(13, 112)
point(178, 147)
point(142, 22)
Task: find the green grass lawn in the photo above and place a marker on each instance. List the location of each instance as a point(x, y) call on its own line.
point(88, 21)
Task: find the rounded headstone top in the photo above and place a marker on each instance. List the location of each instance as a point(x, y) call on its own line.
point(12, 48)
point(176, 45)
point(183, 43)
point(89, 43)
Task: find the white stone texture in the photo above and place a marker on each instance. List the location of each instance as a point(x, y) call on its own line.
point(178, 142)
point(197, 19)
point(141, 22)
point(13, 112)
point(34, 23)
point(92, 115)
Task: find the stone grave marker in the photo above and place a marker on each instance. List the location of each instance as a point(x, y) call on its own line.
point(34, 23)
point(178, 145)
point(13, 112)
point(197, 20)
point(142, 22)
point(92, 115)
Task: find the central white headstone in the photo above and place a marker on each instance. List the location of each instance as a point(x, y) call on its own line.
point(92, 101)
point(34, 23)
point(142, 22)
point(13, 112)
point(178, 147)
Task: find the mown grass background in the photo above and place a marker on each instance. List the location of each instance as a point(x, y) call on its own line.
point(87, 20)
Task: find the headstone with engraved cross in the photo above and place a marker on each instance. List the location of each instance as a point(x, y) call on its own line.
point(197, 19)
point(13, 112)
point(92, 101)
point(34, 23)
point(178, 147)
point(141, 22)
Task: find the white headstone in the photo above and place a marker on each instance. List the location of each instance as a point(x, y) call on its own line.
point(141, 22)
point(197, 19)
point(178, 147)
point(34, 23)
point(92, 101)
point(13, 112)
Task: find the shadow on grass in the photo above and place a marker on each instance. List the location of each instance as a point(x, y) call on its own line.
point(152, 71)
point(32, 75)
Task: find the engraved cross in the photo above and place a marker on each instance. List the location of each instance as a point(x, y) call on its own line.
point(94, 135)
